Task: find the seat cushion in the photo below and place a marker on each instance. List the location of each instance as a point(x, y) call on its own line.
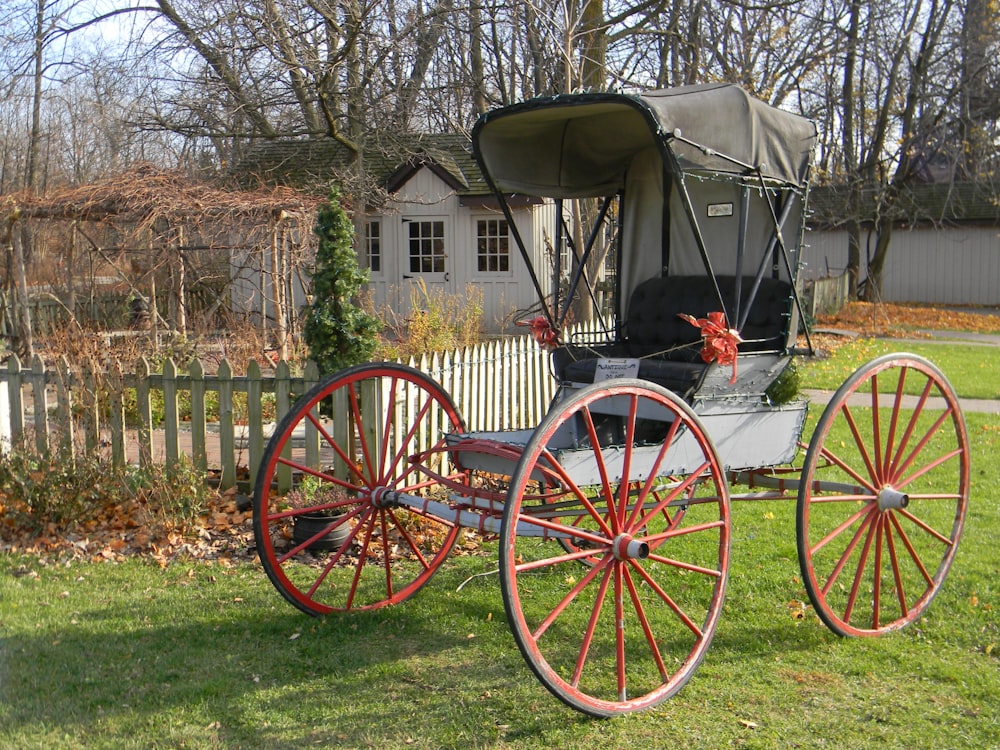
point(668, 346)
point(653, 325)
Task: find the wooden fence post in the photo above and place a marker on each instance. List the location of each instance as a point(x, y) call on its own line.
point(255, 422)
point(283, 404)
point(64, 409)
point(91, 410)
point(171, 420)
point(227, 442)
point(116, 397)
point(41, 407)
point(145, 413)
point(199, 454)
point(15, 384)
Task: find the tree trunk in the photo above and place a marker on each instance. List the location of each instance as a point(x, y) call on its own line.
point(850, 156)
point(25, 345)
point(876, 263)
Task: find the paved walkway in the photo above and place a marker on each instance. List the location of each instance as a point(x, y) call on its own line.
point(983, 406)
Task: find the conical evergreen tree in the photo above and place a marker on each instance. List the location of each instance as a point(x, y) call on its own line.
point(337, 331)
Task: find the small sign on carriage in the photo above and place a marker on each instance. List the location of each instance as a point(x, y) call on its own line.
point(613, 368)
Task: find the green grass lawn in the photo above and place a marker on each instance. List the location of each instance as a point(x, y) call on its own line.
point(206, 655)
point(210, 656)
point(974, 371)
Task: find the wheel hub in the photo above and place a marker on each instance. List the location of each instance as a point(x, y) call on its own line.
point(892, 499)
point(627, 548)
point(383, 497)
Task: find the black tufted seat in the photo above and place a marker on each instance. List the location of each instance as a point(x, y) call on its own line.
point(670, 346)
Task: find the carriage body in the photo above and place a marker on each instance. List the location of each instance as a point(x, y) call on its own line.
point(697, 197)
point(612, 516)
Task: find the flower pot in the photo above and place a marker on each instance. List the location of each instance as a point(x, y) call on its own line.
point(308, 525)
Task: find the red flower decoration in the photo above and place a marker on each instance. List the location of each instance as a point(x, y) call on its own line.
point(546, 336)
point(720, 341)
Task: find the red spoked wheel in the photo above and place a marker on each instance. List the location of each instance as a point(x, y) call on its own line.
point(883, 496)
point(646, 508)
point(328, 532)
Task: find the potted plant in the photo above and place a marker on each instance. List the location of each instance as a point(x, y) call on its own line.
point(316, 497)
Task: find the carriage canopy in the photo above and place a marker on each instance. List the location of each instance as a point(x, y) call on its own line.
point(582, 145)
point(707, 180)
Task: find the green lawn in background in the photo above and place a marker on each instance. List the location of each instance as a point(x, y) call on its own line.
point(204, 655)
point(973, 370)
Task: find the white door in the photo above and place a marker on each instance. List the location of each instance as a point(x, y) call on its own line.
point(425, 256)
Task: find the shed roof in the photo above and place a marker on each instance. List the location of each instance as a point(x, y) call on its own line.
point(919, 203)
point(311, 164)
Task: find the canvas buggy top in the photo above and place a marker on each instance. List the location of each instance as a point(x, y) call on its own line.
point(707, 190)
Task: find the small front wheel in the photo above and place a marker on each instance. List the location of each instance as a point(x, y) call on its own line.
point(883, 496)
point(623, 478)
point(345, 446)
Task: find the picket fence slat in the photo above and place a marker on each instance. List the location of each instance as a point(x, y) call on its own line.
point(496, 385)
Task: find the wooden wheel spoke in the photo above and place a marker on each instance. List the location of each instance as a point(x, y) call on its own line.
point(859, 441)
point(408, 538)
point(548, 562)
point(359, 422)
point(877, 447)
point(362, 508)
point(690, 567)
point(407, 440)
point(588, 636)
point(887, 460)
point(647, 629)
point(369, 526)
point(349, 461)
point(878, 527)
point(907, 514)
point(623, 487)
point(386, 551)
point(847, 468)
point(919, 447)
point(911, 426)
point(843, 526)
point(669, 601)
point(574, 490)
point(872, 533)
point(851, 545)
point(602, 468)
point(647, 487)
point(914, 556)
point(574, 592)
point(897, 574)
point(676, 492)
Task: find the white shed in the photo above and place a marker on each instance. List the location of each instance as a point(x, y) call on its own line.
point(438, 224)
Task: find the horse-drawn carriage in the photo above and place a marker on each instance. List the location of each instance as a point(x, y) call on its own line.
point(613, 514)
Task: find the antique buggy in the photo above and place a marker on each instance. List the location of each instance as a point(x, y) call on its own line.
point(613, 515)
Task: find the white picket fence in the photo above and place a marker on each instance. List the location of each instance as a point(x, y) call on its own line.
point(504, 384)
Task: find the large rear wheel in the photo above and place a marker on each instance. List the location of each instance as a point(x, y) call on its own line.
point(883, 496)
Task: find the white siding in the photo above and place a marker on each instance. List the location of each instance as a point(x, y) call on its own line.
point(955, 266)
point(426, 195)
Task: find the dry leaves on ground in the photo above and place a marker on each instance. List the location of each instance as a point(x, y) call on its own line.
point(223, 532)
point(895, 320)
